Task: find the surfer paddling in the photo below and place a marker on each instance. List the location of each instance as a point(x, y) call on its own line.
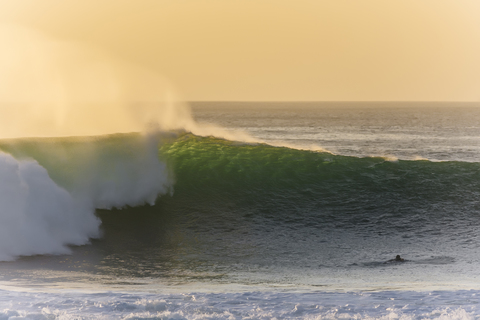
point(397, 259)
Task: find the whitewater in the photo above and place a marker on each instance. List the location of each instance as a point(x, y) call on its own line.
point(295, 221)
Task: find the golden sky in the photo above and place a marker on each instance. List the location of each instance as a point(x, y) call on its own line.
point(319, 50)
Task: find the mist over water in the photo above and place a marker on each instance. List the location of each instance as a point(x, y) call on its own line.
point(53, 88)
point(59, 88)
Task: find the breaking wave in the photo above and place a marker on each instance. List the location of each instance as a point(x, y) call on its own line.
point(41, 216)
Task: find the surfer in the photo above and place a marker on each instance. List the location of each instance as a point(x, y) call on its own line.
point(397, 259)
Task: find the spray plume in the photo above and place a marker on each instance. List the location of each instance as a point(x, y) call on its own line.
point(54, 88)
point(50, 88)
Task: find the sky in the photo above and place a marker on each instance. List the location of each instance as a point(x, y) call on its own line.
point(279, 50)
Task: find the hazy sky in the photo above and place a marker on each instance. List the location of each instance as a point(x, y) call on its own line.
point(278, 49)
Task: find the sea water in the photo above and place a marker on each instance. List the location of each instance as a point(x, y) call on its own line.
point(298, 225)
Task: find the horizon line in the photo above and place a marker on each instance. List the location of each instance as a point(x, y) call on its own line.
point(331, 101)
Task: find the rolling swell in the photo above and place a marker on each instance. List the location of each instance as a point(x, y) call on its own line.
point(320, 188)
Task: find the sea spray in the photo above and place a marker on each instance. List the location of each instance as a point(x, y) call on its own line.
point(52, 88)
point(124, 173)
point(39, 216)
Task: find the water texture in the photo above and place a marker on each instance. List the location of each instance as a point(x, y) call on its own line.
point(302, 225)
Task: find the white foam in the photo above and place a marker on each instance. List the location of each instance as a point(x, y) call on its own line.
point(246, 305)
point(123, 179)
point(37, 216)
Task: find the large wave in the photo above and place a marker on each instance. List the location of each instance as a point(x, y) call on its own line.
point(221, 184)
point(321, 189)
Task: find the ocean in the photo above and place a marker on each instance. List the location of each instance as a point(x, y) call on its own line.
point(299, 221)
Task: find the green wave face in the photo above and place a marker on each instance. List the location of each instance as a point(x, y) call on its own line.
point(301, 179)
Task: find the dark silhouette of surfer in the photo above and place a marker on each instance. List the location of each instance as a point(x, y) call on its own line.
point(397, 259)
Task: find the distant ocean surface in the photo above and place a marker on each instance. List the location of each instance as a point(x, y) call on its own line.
point(300, 224)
